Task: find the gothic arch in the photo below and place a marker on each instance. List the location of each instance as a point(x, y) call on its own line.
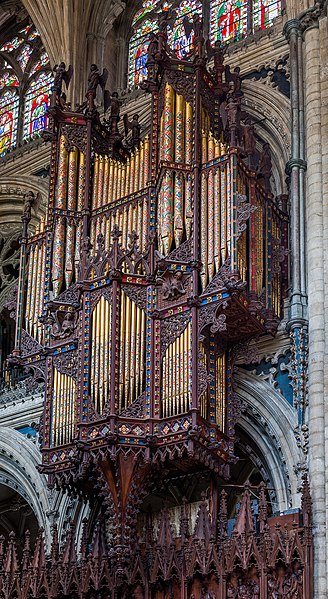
point(270, 422)
point(270, 109)
point(19, 458)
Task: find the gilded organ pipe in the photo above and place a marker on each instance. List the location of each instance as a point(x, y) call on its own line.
point(176, 375)
point(71, 205)
point(60, 203)
point(63, 408)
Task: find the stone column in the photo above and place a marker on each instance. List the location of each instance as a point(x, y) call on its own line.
point(323, 74)
point(295, 168)
point(317, 334)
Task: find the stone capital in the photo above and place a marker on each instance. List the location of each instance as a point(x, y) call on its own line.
point(295, 163)
point(293, 25)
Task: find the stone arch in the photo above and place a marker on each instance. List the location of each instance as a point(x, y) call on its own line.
point(270, 110)
point(19, 458)
point(269, 421)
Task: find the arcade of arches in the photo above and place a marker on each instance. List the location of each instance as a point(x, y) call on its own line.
point(163, 346)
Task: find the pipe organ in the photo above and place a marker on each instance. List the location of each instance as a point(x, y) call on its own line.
point(155, 260)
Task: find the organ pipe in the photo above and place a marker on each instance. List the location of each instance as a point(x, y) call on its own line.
point(176, 375)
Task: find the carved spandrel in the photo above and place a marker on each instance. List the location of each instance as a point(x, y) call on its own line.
point(172, 328)
point(138, 294)
point(67, 363)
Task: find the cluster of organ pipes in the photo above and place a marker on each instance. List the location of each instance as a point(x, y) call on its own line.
point(69, 198)
point(100, 354)
point(130, 217)
point(63, 408)
point(115, 179)
point(34, 287)
point(132, 352)
point(176, 375)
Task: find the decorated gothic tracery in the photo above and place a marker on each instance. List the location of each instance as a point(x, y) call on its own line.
point(25, 78)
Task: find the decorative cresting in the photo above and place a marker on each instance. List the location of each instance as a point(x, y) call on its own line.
point(263, 557)
point(155, 259)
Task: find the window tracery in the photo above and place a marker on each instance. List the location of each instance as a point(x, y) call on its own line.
point(25, 80)
point(230, 20)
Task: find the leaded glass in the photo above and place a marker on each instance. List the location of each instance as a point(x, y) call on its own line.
point(43, 60)
point(265, 11)
point(33, 35)
point(24, 56)
point(177, 36)
point(147, 7)
point(8, 120)
point(138, 53)
point(8, 79)
point(36, 104)
point(228, 20)
point(12, 45)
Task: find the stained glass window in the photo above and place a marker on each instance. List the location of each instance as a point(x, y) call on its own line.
point(12, 45)
point(178, 37)
point(24, 56)
point(28, 85)
point(147, 7)
point(43, 60)
point(8, 120)
point(36, 104)
point(138, 53)
point(228, 20)
point(8, 79)
point(265, 11)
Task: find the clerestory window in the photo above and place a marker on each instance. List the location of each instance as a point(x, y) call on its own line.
point(25, 81)
point(225, 21)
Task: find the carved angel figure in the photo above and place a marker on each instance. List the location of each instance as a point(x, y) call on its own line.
point(95, 78)
point(61, 330)
point(173, 286)
point(114, 117)
point(60, 75)
point(134, 126)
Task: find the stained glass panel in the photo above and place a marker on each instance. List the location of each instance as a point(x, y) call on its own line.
point(178, 38)
point(43, 60)
point(138, 53)
point(33, 35)
point(25, 30)
point(8, 120)
point(36, 104)
point(24, 55)
point(228, 20)
point(147, 7)
point(8, 79)
point(12, 45)
point(265, 11)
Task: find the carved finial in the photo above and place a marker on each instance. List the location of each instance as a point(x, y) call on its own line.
point(263, 508)
point(184, 522)
point(116, 233)
point(223, 516)
point(244, 522)
point(306, 501)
